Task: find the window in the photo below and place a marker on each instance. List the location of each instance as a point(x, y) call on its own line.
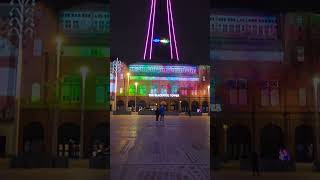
point(142, 90)
point(238, 92)
point(75, 24)
point(270, 93)
point(67, 24)
point(35, 92)
point(37, 47)
point(302, 97)
point(71, 89)
point(274, 92)
point(101, 89)
point(154, 89)
point(233, 92)
point(163, 89)
point(265, 96)
point(299, 20)
point(300, 53)
point(174, 89)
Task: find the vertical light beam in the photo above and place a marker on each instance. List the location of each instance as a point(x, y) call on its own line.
point(148, 33)
point(169, 28)
point(154, 12)
point(174, 35)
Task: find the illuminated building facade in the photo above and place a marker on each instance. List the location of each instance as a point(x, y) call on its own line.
point(84, 32)
point(263, 65)
point(178, 87)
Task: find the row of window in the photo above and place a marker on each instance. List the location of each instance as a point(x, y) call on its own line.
point(269, 93)
point(142, 90)
point(243, 19)
point(237, 28)
point(75, 24)
point(86, 15)
point(71, 90)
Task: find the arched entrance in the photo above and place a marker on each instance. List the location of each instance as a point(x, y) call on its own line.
point(141, 104)
point(271, 141)
point(131, 105)
point(214, 141)
point(100, 138)
point(184, 106)
point(194, 106)
point(153, 105)
point(33, 136)
point(304, 143)
point(174, 106)
point(2, 146)
point(239, 142)
point(120, 105)
point(69, 140)
point(164, 104)
point(205, 106)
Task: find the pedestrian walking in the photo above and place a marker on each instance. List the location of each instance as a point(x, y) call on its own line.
point(157, 114)
point(255, 164)
point(189, 112)
point(162, 113)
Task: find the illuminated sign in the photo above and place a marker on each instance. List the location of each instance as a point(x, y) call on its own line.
point(164, 95)
point(163, 41)
point(164, 69)
point(153, 78)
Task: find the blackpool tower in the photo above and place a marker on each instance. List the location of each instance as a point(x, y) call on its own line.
point(160, 42)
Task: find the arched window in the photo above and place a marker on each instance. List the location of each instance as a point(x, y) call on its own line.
point(35, 92)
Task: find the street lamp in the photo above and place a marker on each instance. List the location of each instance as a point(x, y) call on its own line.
point(116, 67)
point(84, 71)
point(59, 42)
point(209, 99)
point(128, 74)
point(315, 84)
point(135, 98)
point(21, 22)
point(180, 105)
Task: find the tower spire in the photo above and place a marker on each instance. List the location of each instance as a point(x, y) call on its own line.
point(150, 38)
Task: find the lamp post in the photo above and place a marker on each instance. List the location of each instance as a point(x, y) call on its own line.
point(21, 22)
point(84, 71)
point(116, 66)
point(135, 98)
point(316, 127)
point(180, 110)
point(128, 75)
point(59, 42)
point(209, 100)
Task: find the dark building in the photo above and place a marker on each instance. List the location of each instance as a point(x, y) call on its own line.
point(57, 121)
point(263, 65)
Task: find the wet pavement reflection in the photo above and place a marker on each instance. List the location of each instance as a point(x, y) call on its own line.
point(142, 148)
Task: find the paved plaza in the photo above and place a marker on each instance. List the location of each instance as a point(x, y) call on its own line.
point(142, 149)
point(54, 174)
point(238, 175)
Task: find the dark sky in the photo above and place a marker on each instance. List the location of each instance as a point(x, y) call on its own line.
point(269, 5)
point(129, 25)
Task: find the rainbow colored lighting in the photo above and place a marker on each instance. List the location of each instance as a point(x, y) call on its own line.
point(162, 41)
point(150, 33)
point(156, 78)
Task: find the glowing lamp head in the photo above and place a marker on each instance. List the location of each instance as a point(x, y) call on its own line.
point(84, 71)
point(136, 84)
point(59, 40)
point(128, 74)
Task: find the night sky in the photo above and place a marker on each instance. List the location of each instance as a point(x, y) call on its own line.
point(129, 26)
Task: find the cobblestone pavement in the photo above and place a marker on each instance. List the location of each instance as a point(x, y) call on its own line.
point(232, 175)
point(54, 174)
point(142, 149)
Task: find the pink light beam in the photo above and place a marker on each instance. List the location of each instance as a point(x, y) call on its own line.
point(174, 35)
point(169, 28)
point(151, 40)
point(147, 39)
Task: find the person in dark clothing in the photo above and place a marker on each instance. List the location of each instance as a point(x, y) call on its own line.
point(189, 112)
point(255, 164)
point(157, 114)
point(162, 113)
